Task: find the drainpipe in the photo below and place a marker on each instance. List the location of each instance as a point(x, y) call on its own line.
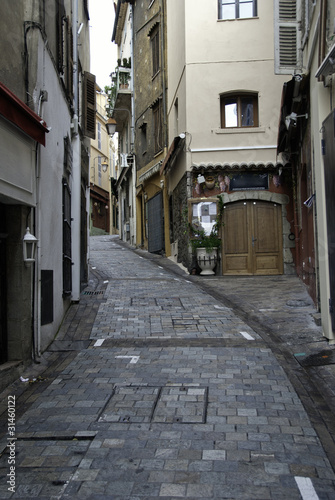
point(132, 132)
point(76, 167)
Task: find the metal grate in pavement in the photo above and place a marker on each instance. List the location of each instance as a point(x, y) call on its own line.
point(321, 358)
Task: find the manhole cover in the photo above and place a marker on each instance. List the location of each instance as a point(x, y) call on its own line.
point(131, 405)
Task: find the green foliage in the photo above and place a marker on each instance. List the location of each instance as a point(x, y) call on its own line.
point(202, 240)
point(199, 238)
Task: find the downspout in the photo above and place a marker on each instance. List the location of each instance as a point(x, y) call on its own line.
point(163, 75)
point(132, 131)
point(76, 168)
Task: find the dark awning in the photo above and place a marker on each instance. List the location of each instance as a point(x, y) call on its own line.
point(17, 112)
point(295, 98)
point(172, 154)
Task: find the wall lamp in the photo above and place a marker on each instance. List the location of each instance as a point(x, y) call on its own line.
point(104, 163)
point(29, 247)
point(111, 126)
point(292, 119)
point(111, 122)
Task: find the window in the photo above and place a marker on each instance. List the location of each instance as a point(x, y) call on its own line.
point(288, 31)
point(239, 110)
point(237, 9)
point(143, 130)
point(154, 37)
point(157, 115)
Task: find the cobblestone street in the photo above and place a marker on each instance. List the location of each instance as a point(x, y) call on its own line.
point(162, 385)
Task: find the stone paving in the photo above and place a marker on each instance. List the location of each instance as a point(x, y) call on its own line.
point(173, 396)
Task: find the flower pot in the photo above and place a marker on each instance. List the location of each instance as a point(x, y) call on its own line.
point(206, 261)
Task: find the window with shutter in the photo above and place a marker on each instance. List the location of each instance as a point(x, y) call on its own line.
point(155, 52)
point(287, 36)
point(89, 105)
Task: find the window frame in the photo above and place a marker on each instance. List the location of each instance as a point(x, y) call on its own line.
point(158, 129)
point(155, 52)
point(239, 96)
point(237, 9)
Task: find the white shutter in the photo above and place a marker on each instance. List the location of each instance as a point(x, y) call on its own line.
point(287, 36)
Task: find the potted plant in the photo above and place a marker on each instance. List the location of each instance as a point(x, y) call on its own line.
point(206, 245)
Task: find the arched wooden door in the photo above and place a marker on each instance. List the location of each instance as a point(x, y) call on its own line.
point(252, 238)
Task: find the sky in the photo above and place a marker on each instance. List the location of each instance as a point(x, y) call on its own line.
point(103, 50)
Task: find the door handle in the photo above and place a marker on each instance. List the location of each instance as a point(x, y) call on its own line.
point(253, 241)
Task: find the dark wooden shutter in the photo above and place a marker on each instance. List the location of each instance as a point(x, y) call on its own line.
point(89, 105)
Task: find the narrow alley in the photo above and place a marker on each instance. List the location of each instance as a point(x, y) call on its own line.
point(162, 385)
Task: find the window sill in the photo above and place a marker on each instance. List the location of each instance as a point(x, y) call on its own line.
point(240, 130)
point(238, 19)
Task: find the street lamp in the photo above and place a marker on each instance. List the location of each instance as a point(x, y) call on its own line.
point(111, 126)
point(104, 165)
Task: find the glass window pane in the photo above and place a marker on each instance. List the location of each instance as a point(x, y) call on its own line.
point(246, 9)
point(228, 12)
point(231, 113)
point(247, 112)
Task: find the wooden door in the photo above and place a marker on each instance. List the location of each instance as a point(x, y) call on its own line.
point(252, 238)
point(155, 224)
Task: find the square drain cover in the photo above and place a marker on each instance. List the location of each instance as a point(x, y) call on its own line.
point(131, 404)
point(177, 404)
point(186, 405)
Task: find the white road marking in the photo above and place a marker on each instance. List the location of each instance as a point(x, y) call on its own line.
point(133, 359)
point(306, 488)
point(99, 342)
point(247, 336)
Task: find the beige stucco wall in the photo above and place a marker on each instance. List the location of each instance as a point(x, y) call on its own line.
point(207, 57)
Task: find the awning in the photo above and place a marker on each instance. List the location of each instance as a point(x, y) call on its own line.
point(258, 165)
point(328, 64)
point(295, 98)
point(17, 112)
point(174, 149)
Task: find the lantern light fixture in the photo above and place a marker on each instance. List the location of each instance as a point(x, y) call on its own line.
point(29, 247)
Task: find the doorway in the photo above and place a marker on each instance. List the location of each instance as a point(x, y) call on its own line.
point(3, 287)
point(252, 238)
point(155, 224)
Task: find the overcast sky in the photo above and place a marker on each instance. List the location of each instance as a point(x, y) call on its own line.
point(103, 50)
